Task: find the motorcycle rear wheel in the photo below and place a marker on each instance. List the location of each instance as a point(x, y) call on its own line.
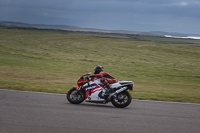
point(122, 99)
point(75, 98)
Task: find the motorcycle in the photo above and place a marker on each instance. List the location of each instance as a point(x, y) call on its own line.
point(92, 90)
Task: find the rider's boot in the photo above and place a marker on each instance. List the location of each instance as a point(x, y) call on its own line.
point(108, 89)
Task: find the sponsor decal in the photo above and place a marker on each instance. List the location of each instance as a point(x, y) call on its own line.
point(92, 86)
point(97, 89)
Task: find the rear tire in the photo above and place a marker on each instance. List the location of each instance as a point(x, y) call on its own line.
point(122, 99)
point(74, 98)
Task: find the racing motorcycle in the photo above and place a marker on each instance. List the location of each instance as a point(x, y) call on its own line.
point(92, 90)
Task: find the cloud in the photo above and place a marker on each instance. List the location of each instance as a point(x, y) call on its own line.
point(106, 14)
point(45, 14)
point(183, 3)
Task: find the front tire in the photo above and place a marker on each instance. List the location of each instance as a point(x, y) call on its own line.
point(74, 97)
point(122, 99)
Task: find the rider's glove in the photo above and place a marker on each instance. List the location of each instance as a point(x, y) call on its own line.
point(92, 76)
point(102, 79)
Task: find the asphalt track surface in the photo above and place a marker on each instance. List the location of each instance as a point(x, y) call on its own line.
point(30, 112)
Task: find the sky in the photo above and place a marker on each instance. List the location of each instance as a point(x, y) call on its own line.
point(182, 16)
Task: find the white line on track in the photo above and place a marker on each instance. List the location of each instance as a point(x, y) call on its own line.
point(34, 92)
point(132, 99)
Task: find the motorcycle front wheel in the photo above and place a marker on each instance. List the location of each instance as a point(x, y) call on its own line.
point(74, 97)
point(122, 99)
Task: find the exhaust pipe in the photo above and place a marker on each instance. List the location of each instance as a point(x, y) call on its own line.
point(117, 92)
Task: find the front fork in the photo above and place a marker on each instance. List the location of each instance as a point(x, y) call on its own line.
point(78, 90)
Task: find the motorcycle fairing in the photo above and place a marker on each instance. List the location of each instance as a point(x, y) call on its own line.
point(123, 83)
point(76, 87)
point(92, 93)
point(115, 85)
point(82, 79)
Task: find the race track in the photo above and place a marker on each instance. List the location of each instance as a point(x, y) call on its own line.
point(32, 112)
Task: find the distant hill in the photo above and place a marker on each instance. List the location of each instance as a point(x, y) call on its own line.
point(9, 24)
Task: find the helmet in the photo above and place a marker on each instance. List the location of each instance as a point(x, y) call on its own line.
point(98, 69)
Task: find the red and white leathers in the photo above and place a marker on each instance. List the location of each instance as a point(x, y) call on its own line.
point(105, 78)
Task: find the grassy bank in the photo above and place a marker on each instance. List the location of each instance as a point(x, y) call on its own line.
point(51, 61)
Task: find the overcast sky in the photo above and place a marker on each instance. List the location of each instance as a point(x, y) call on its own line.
point(181, 16)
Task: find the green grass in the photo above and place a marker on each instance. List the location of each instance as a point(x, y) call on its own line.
point(51, 61)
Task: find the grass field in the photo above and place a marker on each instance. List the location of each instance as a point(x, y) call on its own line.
point(51, 61)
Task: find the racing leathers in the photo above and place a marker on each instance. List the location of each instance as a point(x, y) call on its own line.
point(106, 79)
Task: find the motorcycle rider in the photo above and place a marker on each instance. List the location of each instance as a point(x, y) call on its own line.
point(105, 78)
